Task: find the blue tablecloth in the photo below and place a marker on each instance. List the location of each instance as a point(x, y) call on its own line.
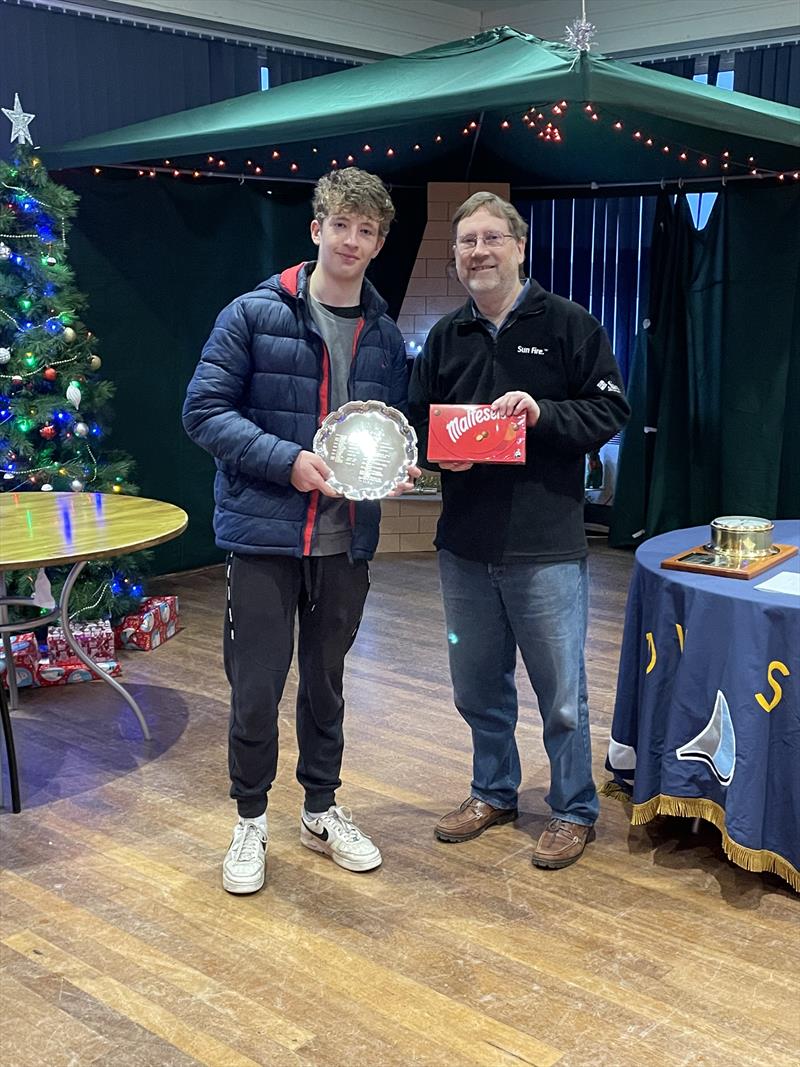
point(707, 714)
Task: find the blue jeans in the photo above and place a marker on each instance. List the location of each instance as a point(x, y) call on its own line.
point(491, 610)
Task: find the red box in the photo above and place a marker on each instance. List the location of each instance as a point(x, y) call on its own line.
point(71, 671)
point(461, 433)
point(157, 619)
point(96, 639)
point(25, 654)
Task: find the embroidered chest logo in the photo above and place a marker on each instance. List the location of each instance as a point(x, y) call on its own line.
point(611, 387)
point(531, 350)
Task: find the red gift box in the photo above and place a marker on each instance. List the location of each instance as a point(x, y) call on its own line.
point(72, 671)
point(25, 654)
point(461, 433)
point(96, 639)
point(157, 619)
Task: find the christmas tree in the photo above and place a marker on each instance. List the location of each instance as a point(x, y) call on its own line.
point(54, 405)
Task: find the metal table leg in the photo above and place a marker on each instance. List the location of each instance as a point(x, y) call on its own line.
point(11, 674)
point(63, 608)
point(11, 758)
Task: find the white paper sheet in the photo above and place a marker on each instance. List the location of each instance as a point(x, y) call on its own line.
point(782, 582)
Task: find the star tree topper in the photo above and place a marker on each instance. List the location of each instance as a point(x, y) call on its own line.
point(20, 121)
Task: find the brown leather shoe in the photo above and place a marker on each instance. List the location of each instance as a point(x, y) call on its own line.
point(471, 819)
point(562, 843)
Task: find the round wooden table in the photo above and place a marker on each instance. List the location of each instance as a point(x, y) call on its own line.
point(53, 529)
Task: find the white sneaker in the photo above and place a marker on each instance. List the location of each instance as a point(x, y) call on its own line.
point(245, 864)
point(336, 835)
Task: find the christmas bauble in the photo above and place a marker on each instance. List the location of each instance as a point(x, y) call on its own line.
point(69, 334)
point(51, 261)
point(5, 355)
point(15, 384)
point(51, 374)
point(48, 432)
point(47, 488)
point(74, 394)
point(76, 485)
point(95, 363)
point(5, 251)
point(80, 429)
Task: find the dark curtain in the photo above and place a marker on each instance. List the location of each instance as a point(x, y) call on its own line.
point(682, 68)
point(594, 251)
point(82, 75)
point(715, 388)
point(292, 67)
point(158, 260)
point(773, 73)
point(391, 270)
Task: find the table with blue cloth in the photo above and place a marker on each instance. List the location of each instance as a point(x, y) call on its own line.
point(707, 715)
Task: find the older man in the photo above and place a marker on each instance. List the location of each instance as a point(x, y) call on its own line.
point(511, 543)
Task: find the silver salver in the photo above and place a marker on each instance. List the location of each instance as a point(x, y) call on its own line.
point(368, 446)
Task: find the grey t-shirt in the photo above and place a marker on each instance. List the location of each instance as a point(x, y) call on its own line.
point(333, 531)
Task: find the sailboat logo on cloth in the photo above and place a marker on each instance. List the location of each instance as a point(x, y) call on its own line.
point(715, 745)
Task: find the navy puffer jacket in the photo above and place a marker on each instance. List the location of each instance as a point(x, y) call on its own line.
point(256, 399)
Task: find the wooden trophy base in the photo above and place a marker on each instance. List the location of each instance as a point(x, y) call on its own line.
point(704, 560)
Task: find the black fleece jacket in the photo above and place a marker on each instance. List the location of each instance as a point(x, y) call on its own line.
point(555, 350)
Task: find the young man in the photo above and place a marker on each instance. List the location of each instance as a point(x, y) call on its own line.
point(278, 360)
point(512, 549)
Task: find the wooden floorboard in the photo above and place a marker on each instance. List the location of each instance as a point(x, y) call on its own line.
point(119, 947)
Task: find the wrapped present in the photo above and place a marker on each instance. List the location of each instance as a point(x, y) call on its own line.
point(157, 619)
point(25, 653)
point(73, 670)
point(96, 639)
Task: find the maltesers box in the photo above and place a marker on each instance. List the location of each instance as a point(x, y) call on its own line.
point(474, 432)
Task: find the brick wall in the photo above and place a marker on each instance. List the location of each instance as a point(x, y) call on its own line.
point(409, 523)
point(430, 292)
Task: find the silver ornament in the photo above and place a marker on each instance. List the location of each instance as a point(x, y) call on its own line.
point(5, 251)
point(95, 363)
point(20, 121)
point(47, 488)
point(80, 429)
point(69, 334)
point(51, 261)
point(579, 34)
point(74, 394)
point(5, 355)
point(76, 485)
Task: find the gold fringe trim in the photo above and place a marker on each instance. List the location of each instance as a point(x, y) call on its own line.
point(615, 791)
point(752, 859)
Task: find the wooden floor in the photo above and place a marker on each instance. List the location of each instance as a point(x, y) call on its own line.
point(119, 946)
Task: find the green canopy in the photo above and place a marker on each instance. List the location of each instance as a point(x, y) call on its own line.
point(476, 109)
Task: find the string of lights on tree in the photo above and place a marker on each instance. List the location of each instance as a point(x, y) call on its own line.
point(54, 406)
point(543, 119)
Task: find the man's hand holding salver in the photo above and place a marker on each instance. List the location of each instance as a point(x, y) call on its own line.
point(408, 485)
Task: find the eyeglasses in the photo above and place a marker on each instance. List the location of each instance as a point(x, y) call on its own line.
point(469, 241)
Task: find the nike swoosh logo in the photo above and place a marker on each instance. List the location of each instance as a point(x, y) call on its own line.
point(323, 836)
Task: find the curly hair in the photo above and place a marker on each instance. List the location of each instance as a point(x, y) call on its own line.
point(354, 192)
